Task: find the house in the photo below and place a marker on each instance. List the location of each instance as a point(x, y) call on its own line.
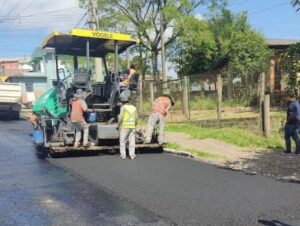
point(33, 85)
point(35, 73)
point(204, 81)
point(276, 70)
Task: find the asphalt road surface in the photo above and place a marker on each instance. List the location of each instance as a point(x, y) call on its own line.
point(153, 189)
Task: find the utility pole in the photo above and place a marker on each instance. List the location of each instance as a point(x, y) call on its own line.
point(163, 60)
point(94, 25)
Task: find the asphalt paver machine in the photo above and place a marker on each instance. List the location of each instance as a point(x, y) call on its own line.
point(54, 133)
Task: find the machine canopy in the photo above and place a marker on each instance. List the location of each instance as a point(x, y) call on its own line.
point(100, 42)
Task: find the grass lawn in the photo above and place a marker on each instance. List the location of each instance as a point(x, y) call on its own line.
point(231, 135)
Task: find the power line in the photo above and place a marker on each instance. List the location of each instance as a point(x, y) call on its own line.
point(3, 5)
point(28, 6)
point(12, 9)
point(43, 13)
point(266, 9)
point(237, 3)
point(84, 15)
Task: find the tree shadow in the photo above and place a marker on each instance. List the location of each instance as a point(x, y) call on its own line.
point(273, 223)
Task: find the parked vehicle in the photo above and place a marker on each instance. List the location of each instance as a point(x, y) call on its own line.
point(10, 100)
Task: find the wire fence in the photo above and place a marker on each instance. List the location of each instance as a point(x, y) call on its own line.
point(196, 101)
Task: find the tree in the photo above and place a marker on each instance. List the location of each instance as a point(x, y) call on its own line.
point(296, 4)
point(142, 18)
point(195, 51)
point(291, 63)
point(225, 37)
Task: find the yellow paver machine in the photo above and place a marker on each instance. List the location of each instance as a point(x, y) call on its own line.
point(53, 132)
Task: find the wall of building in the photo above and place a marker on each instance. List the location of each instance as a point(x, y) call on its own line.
point(32, 86)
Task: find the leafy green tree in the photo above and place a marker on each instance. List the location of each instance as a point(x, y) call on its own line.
point(296, 4)
point(142, 17)
point(225, 37)
point(291, 61)
point(196, 49)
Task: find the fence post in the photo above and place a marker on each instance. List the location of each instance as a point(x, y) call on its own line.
point(219, 99)
point(267, 125)
point(140, 96)
point(262, 85)
point(152, 92)
point(186, 97)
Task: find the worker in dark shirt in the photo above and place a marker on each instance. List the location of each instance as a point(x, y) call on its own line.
point(292, 124)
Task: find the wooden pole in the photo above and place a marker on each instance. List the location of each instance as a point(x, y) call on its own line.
point(151, 92)
point(185, 97)
point(261, 101)
point(219, 93)
point(140, 96)
point(267, 124)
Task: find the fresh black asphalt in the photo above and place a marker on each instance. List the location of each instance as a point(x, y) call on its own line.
point(34, 192)
point(154, 189)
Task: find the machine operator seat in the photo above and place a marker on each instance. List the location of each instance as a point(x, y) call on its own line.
point(82, 79)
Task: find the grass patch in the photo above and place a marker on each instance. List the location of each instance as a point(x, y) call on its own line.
point(231, 135)
point(193, 151)
point(202, 104)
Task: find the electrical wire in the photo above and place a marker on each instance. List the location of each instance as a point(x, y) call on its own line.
point(28, 6)
point(81, 19)
point(2, 5)
point(266, 9)
point(10, 11)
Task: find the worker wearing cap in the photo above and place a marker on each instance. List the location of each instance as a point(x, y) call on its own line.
point(161, 106)
point(292, 124)
point(78, 107)
point(127, 123)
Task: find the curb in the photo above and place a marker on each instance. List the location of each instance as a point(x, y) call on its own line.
point(246, 172)
point(180, 153)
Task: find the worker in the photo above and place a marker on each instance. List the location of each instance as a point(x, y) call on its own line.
point(161, 106)
point(78, 107)
point(292, 124)
point(127, 122)
point(33, 119)
point(131, 72)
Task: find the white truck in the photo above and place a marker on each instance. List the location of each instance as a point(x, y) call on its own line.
point(10, 100)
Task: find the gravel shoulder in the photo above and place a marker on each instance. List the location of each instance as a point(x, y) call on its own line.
point(267, 162)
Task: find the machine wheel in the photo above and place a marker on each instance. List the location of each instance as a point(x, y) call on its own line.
point(16, 115)
point(41, 152)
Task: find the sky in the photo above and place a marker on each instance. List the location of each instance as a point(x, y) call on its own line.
point(24, 24)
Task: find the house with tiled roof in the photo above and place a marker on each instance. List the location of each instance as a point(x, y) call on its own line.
point(276, 70)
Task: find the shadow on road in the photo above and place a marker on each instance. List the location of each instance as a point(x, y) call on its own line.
point(272, 223)
point(142, 151)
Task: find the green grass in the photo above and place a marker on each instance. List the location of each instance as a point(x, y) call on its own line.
point(193, 151)
point(231, 135)
point(203, 104)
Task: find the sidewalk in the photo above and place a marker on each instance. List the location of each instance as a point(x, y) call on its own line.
point(267, 162)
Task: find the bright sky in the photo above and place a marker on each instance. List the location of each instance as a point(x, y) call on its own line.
point(25, 23)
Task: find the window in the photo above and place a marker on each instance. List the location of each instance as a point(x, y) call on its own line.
point(29, 87)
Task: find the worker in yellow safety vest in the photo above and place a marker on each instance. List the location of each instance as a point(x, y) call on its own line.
point(127, 124)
